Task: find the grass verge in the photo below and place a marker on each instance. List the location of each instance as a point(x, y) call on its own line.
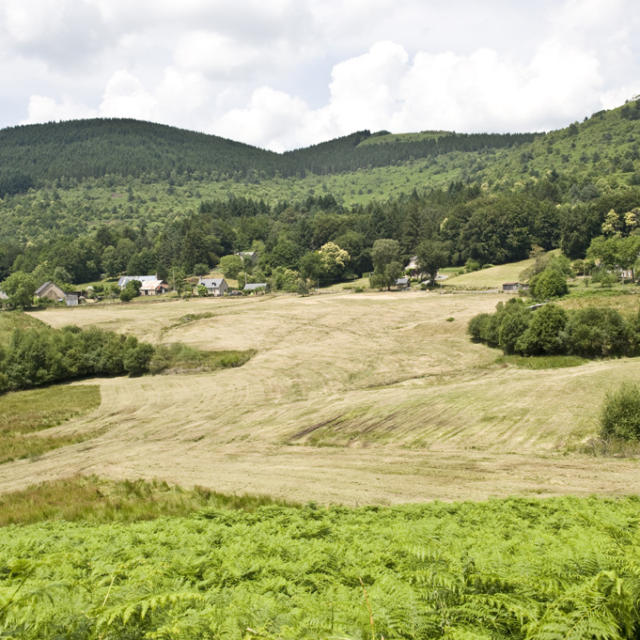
point(26, 412)
point(94, 499)
point(541, 362)
point(180, 358)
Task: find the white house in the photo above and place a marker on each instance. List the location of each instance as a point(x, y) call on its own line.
point(122, 282)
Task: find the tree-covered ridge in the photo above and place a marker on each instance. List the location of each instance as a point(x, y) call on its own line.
point(91, 148)
point(35, 154)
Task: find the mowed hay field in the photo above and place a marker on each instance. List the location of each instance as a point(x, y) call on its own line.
point(351, 398)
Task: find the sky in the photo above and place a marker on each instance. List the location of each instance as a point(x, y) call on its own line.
point(283, 74)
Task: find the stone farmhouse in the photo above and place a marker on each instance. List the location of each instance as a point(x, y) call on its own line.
point(214, 286)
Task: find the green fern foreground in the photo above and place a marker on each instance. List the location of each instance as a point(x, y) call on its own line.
point(561, 568)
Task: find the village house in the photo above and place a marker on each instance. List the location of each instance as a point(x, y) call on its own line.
point(214, 286)
point(122, 282)
point(153, 287)
point(50, 291)
point(250, 257)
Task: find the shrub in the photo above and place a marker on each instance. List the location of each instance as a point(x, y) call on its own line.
point(544, 334)
point(550, 283)
point(620, 417)
point(597, 332)
point(472, 265)
point(515, 321)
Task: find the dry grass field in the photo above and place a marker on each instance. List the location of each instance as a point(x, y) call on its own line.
point(351, 398)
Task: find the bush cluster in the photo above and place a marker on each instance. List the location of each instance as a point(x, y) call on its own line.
point(591, 333)
point(620, 417)
point(36, 357)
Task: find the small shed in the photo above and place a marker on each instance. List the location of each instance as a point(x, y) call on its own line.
point(214, 286)
point(511, 286)
point(72, 299)
point(50, 291)
point(402, 283)
point(256, 287)
point(3, 295)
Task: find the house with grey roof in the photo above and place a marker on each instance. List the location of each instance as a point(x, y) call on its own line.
point(50, 291)
point(214, 286)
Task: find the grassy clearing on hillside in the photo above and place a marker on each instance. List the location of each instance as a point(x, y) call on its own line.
point(93, 499)
point(490, 278)
point(516, 569)
point(26, 412)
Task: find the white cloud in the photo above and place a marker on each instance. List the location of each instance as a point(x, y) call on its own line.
point(287, 73)
point(125, 96)
point(385, 88)
point(45, 109)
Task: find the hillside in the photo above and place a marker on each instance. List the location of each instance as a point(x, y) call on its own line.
point(351, 398)
point(490, 197)
point(33, 155)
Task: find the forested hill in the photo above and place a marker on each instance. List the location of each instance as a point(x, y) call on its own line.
point(33, 155)
point(93, 148)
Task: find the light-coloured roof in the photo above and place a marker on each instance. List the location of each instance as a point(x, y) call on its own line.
point(3, 295)
point(150, 285)
point(251, 286)
point(211, 283)
point(122, 282)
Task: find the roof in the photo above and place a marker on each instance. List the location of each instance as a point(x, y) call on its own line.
point(124, 279)
point(47, 285)
point(252, 286)
point(3, 295)
point(402, 281)
point(211, 283)
point(150, 285)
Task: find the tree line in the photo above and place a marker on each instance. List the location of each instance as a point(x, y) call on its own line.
point(459, 224)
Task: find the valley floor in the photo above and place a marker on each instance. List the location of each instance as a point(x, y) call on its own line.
point(351, 398)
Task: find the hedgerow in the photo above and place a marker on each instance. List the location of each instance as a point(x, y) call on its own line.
point(39, 356)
